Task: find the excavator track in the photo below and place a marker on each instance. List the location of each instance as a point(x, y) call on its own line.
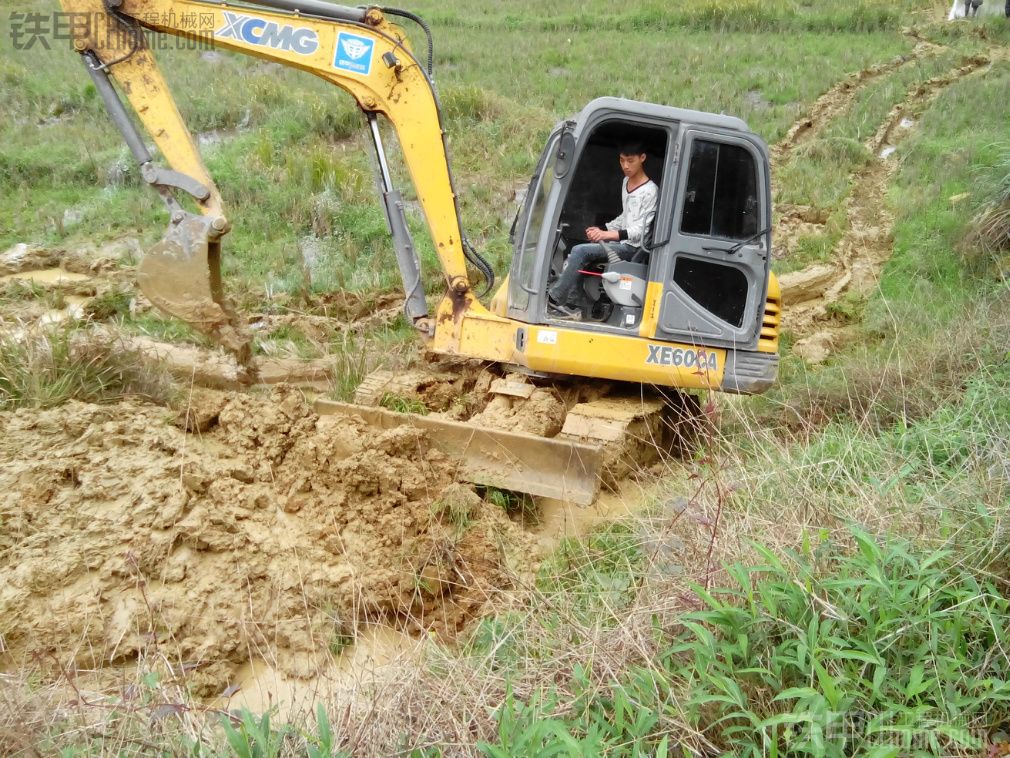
point(561, 440)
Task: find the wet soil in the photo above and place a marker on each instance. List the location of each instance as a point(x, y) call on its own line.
point(244, 527)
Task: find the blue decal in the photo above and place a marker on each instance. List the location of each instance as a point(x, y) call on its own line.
point(354, 53)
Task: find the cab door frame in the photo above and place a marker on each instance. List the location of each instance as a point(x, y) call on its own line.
point(582, 129)
point(525, 295)
point(681, 317)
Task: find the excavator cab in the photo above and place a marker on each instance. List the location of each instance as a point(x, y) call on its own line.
point(702, 274)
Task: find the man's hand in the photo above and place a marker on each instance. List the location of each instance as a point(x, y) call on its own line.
point(595, 234)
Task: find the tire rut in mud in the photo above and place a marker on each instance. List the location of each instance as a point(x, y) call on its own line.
point(868, 240)
point(840, 97)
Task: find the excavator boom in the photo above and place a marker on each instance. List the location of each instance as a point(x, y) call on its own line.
point(357, 49)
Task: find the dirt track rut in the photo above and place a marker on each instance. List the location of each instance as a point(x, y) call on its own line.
point(836, 100)
point(867, 243)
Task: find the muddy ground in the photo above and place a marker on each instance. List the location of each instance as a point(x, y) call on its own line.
point(243, 524)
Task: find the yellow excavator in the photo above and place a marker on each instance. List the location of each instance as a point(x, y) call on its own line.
point(696, 309)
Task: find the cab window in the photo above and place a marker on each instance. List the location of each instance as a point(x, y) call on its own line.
point(721, 197)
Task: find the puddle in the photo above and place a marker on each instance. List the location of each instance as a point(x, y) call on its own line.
point(45, 276)
point(559, 519)
point(376, 655)
point(888, 151)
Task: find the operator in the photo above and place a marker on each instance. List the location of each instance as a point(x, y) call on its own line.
point(639, 195)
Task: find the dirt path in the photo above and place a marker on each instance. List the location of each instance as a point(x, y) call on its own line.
point(839, 98)
point(808, 295)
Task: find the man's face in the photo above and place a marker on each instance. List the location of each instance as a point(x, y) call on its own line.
point(632, 164)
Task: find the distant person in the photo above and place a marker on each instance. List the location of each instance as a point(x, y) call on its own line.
point(639, 195)
point(971, 7)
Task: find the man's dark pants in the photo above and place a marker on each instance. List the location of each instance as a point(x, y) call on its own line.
point(584, 255)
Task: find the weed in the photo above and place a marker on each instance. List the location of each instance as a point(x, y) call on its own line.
point(848, 308)
point(401, 404)
point(458, 506)
point(832, 653)
point(516, 504)
point(339, 642)
point(46, 367)
point(109, 304)
point(287, 339)
point(17, 290)
point(827, 652)
point(254, 737)
point(162, 328)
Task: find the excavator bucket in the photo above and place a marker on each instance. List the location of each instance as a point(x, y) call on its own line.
point(542, 466)
point(181, 275)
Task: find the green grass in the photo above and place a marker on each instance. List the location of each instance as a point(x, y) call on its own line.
point(872, 617)
point(828, 652)
point(960, 146)
point(298, 167)
point(45, 367)
point(819, 172)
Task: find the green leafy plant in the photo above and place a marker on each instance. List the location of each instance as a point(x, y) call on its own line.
point(253, 737)
point(401, 404)
point(832, 653)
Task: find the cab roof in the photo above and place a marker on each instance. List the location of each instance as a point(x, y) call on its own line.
point(666, 112)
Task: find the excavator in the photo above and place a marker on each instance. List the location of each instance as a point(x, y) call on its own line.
point(697, 309)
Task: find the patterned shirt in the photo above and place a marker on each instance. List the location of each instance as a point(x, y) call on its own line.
point(639, 209)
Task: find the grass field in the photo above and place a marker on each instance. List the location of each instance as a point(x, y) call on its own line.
point(827, 576)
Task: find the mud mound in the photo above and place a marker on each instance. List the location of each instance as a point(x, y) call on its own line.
point(273, 532)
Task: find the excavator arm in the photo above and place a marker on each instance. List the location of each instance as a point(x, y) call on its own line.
point(357, 49)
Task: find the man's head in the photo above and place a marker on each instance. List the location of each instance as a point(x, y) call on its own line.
point(632, 156)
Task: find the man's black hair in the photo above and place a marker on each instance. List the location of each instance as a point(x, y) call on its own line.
point(631, 147)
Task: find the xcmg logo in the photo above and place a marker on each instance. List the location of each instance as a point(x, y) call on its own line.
point(258, 31)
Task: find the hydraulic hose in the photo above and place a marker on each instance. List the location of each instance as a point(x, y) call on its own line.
point(420, 22)
point(473, 257)
point(480, 263)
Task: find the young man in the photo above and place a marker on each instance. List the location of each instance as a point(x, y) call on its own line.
point(639, 195)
